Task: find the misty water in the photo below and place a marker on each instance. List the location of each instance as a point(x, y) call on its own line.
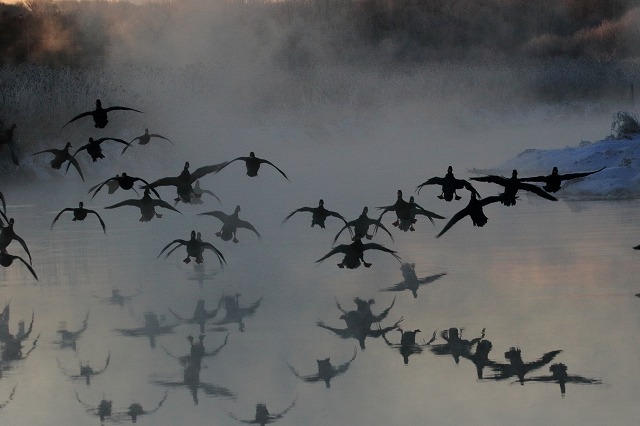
point(541, 276)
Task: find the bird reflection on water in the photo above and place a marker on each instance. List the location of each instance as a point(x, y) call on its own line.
point(86, 371)
point(455, 345)
point(408, 345)
point(263, 417)
point(68, 338)
point(411, 281)
point(151, 328)
point(326, 371)
point(234, 313)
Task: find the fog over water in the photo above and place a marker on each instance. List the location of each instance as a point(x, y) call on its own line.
point(351, 123)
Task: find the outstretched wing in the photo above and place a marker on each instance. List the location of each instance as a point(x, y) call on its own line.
point(500, 180)
point(178, 241)
point(164, 204)
point(205, 170)
point(376, 246)
point(430, 215)
point(312, 378)
point(262, 160)
point(579, 175)
point(245, 312)
point(104, 228)
point(84, 114)
point(58, 215)
point(342, 248)
point(24, 246)
point(432, 181)
point(456, 217)
point(247, 225)
point(216, 213)
point(75, 164)
point(166, 181)
point(211, 247)
point(546, 359)
point(461, 183)
point(106, 364)
point(431, 278)
point(379, 224)
point(98, 187)
point(343, 367)
point(536, 190)
point(131, 202)
point(120, 108)
point(301, 209)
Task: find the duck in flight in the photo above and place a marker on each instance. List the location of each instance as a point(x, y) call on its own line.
point(195, 248)
point(230, 224)
point(145, 139)
point(123, 181)
point(147, 206)
point(253, 164)
point(553, 181)
point(99, 114)
point(184, 181)
point(450, 184)
point(198, 192)
point(474, 211)
point(354, 253)
point(319, 214)
point(361, 227)
point(406, 212)
point(61, 156)
point(93, 148)
point(511, 187)
point(79, 213)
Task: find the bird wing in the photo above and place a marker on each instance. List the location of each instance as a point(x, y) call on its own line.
point(115, 140)
point(535, 179)
point(342, 248)
point(500, 180)
point(456, 217)
point(106, 364)
point(162, 203)
point(155, 135)
point(216, 213)
point(579, 175)
point(53, 151)
point(24, 245)
point(431, 278)
point(218, 253)
point(98, 187)
point(348, 226)
point(262, 160)
point(4, 203)
point(376, 246)
point(461, 183)
point(336, 214)
point(84, 114)
point(312, 378)
point(343, 367)
point(379, 224)
point(247, 225)
point(73, 157)
point(430, 215)
point(75, 164)
point(131, 202)
point(251, 309)
point(546, 359)
point(205, 170)
point(396, 287)
point(178, 241)
point(120, 108)
point(536, 190)
point(164, 398)
point(432, 181)
point(28, 266)
point(104, 228)
point(219, 348)
point(301, 209)
point(281, 414)
point(58, 215)
point(166, 181)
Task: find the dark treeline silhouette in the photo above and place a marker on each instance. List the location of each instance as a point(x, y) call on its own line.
point(79, 33)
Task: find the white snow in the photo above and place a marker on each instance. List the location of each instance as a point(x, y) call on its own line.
point(619, 180)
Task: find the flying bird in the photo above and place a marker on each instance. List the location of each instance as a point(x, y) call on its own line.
point(230, 224)
point(99, 114)
point(553, 181)
point(123, 181)
point(450, 184)
point(147, 206)
point(318, 214)
point(195, 248)
point(60, 157)
point(7, 235)
point(93, 148)
point(79, 213)
point(474, 211)
point(361, 227)
point(145, 139)
point(184, 181)
point(7, 259)
point(511, 187)
point(253, 164)
point(354, 253)
point(6, 138)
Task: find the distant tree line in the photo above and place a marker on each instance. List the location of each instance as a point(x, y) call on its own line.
point(80, 33)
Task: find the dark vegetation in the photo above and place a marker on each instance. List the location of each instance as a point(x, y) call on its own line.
point(80, 33)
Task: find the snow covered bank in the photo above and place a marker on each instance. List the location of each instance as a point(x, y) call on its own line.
point(619, 180)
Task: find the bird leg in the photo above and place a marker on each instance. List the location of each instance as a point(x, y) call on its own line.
point(187, 259)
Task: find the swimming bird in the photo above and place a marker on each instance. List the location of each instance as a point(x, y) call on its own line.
point(99, 114)
point(474, 211)
point(326, 371)
point(319, 214)
point(411, 281)
point(123, 181)
point(79, 213)
point(7, 235)
point(186, 178)
point(450, 184)
point(230, 224)
point(553, 181)
point(354, 253)
point(7, 259)
point(93, 148)
point(361, 227)
point(147, 206)
point(6, 138)
point(145, 139)
point(253, 164)
point(263, 417)
point(195, 248)
point(512, 186)
point(61, 156)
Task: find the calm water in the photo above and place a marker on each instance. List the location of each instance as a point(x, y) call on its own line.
point(541, 276)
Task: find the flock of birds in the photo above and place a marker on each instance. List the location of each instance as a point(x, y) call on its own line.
point(359, 323)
